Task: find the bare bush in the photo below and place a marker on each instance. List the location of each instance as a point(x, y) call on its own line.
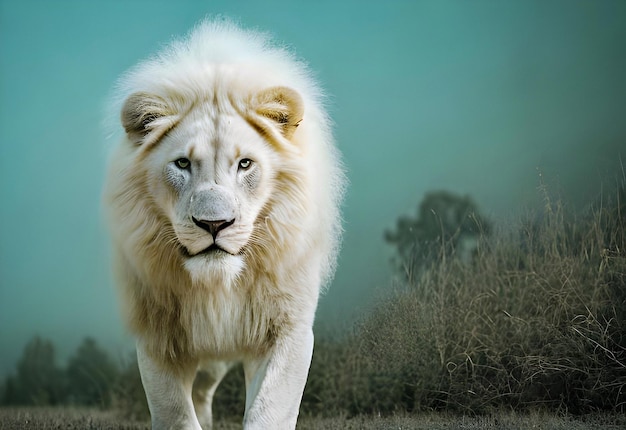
point(535, 320)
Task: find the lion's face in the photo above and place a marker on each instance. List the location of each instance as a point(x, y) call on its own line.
point(211, 177)
point(211, 171)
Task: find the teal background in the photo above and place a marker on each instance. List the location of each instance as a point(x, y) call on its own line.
point(475, 97)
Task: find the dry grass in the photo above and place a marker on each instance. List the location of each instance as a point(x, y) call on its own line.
point(48, 418)
point(89, 419)
point(537, 320)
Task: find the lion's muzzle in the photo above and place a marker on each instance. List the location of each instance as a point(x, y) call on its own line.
point(211, 222)
point(213, 209)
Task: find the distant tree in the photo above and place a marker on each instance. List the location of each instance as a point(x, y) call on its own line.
point(446, 225)
point(38, 380)
point(91, 375)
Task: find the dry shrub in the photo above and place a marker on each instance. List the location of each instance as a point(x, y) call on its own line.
point(537, 319)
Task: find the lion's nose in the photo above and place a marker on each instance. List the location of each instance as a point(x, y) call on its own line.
point(213, 226)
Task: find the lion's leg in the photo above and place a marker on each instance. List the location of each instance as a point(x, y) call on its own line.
point(168, 392)
point(208, 378)
point(274, 383)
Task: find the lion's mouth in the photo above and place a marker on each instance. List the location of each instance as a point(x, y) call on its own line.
point(213, 250)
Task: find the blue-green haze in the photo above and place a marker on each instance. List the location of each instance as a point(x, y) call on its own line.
point(476, 97)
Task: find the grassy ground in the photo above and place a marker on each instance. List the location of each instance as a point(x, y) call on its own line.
point(86, 419)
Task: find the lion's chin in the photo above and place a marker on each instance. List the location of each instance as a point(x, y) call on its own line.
point(215, 267)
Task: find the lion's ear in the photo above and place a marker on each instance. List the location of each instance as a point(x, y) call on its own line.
point(144, 113)
point(283, 106)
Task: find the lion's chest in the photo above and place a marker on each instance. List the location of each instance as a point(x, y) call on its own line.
point(230, 324)
point(218, 321)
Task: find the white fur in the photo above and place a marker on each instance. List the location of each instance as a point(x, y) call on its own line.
point(218, 97)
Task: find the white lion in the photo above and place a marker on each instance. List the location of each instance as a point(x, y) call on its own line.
point(223, 203)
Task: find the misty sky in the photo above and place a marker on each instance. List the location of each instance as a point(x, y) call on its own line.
point(475, 97)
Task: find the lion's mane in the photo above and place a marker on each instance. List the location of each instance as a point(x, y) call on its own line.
point(296, 235)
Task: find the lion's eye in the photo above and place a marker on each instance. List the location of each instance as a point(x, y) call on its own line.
point(245, 164)
point(182, 163)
